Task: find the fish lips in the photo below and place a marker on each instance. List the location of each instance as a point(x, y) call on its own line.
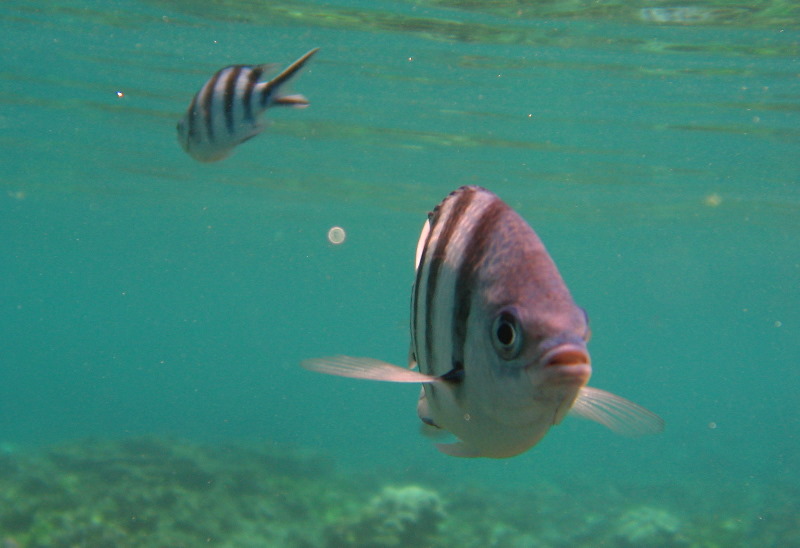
point(567, 364)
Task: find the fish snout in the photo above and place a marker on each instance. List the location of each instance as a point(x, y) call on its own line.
point(567, 355)
point(567, 364)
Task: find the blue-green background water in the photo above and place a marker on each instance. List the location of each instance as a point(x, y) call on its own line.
point(144, 293)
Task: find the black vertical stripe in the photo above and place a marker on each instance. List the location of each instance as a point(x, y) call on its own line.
point(452, 223)
point(415, 291)
point(247, 96)
point(266, 93)
point(207, 103)
point(229, 96)
point(466, 278)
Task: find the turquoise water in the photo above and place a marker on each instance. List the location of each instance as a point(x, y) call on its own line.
point(659, 160)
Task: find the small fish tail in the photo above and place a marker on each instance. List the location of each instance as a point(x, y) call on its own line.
point(294, 101)
point(287, 73)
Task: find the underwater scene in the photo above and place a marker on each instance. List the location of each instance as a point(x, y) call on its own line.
point(195, 200)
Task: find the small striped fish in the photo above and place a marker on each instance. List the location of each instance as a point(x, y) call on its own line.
point(499, 344)
point(226, 110)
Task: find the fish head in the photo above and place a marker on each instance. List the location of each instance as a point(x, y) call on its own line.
point(523, 373)
point(527, 333)
point(539, 363)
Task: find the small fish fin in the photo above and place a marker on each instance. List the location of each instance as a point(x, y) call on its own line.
point(428, 428)
point(423, 411)
point(295, 101)
point(433, 432)
point(620, 415)
point(289, 71)
point(365, 368)
point(267, 69)
point(256, 129)
point(458, 449)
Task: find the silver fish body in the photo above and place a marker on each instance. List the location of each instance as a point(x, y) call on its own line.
point(489, 306)
point(499, 344)
point(228, 108)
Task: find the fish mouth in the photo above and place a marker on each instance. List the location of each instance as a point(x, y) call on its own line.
point(566, 354)
point(568, 363)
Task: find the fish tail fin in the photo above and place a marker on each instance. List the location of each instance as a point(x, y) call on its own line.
point(616, 413)
point(294, 101)
point(287, 73)
point(365, 368)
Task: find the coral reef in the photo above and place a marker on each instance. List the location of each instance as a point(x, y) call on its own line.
point(150, 492)
point(398, 516)
point(647, 527)
point(158, 492)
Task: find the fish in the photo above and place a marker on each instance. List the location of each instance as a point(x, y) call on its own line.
point(227, 110)
point(497, 341)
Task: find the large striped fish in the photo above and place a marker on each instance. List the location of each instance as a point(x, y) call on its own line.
point(499, 344)
point(226, 111)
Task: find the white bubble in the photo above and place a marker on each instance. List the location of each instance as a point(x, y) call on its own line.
point(336, 235)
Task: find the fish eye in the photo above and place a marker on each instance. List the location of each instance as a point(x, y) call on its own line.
point(506, 335)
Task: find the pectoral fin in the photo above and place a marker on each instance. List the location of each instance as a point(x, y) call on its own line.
point(365, 368)
point(620, 415)
point(423, 412)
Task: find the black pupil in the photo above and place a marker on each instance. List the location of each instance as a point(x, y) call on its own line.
point(505, 333)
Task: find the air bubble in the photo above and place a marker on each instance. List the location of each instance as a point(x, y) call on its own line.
point(336, 235)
